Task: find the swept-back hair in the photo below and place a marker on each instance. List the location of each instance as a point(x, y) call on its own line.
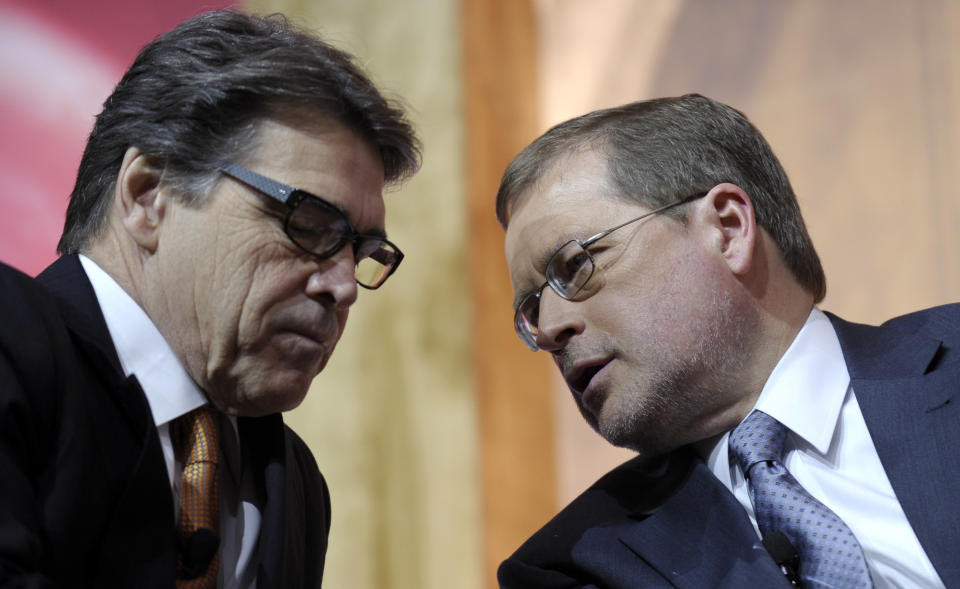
point(191, 100)
point(660, 150)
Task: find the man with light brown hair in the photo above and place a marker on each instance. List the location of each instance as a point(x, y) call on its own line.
point(658, 254)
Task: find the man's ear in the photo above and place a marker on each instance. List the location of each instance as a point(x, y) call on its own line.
point(138, 199)
point(727, 214)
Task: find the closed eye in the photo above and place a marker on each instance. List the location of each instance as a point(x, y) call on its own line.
point(596, 248)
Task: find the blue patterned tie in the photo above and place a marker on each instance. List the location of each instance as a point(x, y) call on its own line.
point(830, 556)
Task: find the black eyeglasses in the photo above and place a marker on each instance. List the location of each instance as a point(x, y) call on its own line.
point(321, 229)
point(568, 271)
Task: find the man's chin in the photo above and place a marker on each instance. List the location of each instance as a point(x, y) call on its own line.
point(626, 433)
point(263, 398)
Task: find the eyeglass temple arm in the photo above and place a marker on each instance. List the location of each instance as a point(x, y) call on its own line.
point(602, 234)
point(271, 188)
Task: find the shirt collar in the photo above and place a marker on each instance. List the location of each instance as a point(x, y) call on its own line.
point(143, 351)
point(805, 391)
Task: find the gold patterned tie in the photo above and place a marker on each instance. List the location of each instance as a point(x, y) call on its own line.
point(196, 437)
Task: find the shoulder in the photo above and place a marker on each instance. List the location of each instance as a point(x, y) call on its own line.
point(941, 322)
point(299, 454)
point(934, 322)
point(31, 325)
point(34, 347)
point(309, 503)
point(646, 525)
point(910, 344)
point(629, 492)
point(24, 300)
point(634, 487)
point(300, 460)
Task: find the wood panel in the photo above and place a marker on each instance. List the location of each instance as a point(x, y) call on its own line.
point(392, 418)
point(513, 392)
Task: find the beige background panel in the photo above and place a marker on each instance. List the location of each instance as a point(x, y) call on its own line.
point(860, 100)
point(499, 57)
point(391, 419)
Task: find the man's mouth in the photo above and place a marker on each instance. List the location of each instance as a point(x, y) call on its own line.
point(581, 375)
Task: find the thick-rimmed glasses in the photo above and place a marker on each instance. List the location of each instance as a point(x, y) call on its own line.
point(568, 271)
point(321, 229)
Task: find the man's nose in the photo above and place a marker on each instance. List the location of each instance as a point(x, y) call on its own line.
point(335, 278)
point(559, 321)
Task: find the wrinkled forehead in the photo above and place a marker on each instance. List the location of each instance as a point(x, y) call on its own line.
point(583, 164)
point(324, 157)
point(568, 202)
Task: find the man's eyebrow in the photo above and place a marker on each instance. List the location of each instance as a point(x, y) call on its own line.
point(326, 201)
point(541, 261)
point(573, 234)
point(520, 296)
point(375, 232)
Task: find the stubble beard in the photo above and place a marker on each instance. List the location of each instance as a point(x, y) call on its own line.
point(664, 410)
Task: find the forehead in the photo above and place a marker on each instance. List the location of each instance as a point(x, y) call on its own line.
point(324, 157)
point(573, 199)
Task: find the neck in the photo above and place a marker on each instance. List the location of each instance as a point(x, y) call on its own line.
point(783, 306)
point(119, 258)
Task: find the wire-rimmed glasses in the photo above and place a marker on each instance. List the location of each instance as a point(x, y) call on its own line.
point(321, 229)
point(568, 271)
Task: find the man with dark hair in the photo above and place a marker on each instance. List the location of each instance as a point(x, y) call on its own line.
point(657, 252)
point(227, 206)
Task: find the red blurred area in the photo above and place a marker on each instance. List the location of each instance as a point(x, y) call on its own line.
point(59, 60)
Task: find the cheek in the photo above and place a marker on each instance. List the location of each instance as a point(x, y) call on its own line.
point(662, 305)
point(695, 308)
point(269, 290)
point(248, 292)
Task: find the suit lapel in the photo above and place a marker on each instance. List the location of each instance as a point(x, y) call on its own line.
point(138, 543)
point(906, 389)
point(262, 438)
point(701, 537)
point(67, 281)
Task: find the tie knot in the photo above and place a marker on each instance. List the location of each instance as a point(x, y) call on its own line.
point(759, 438)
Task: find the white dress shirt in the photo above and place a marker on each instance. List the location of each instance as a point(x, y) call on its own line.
point(171, 393)
point(830, 452)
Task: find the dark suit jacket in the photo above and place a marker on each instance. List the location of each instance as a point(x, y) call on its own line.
point(84, 496)
point(675, 525)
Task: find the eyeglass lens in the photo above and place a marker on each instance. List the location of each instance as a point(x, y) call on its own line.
point(376, 259)
point(569, 269)
point(318, 228)
point(527, 318)
point(323, 230)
